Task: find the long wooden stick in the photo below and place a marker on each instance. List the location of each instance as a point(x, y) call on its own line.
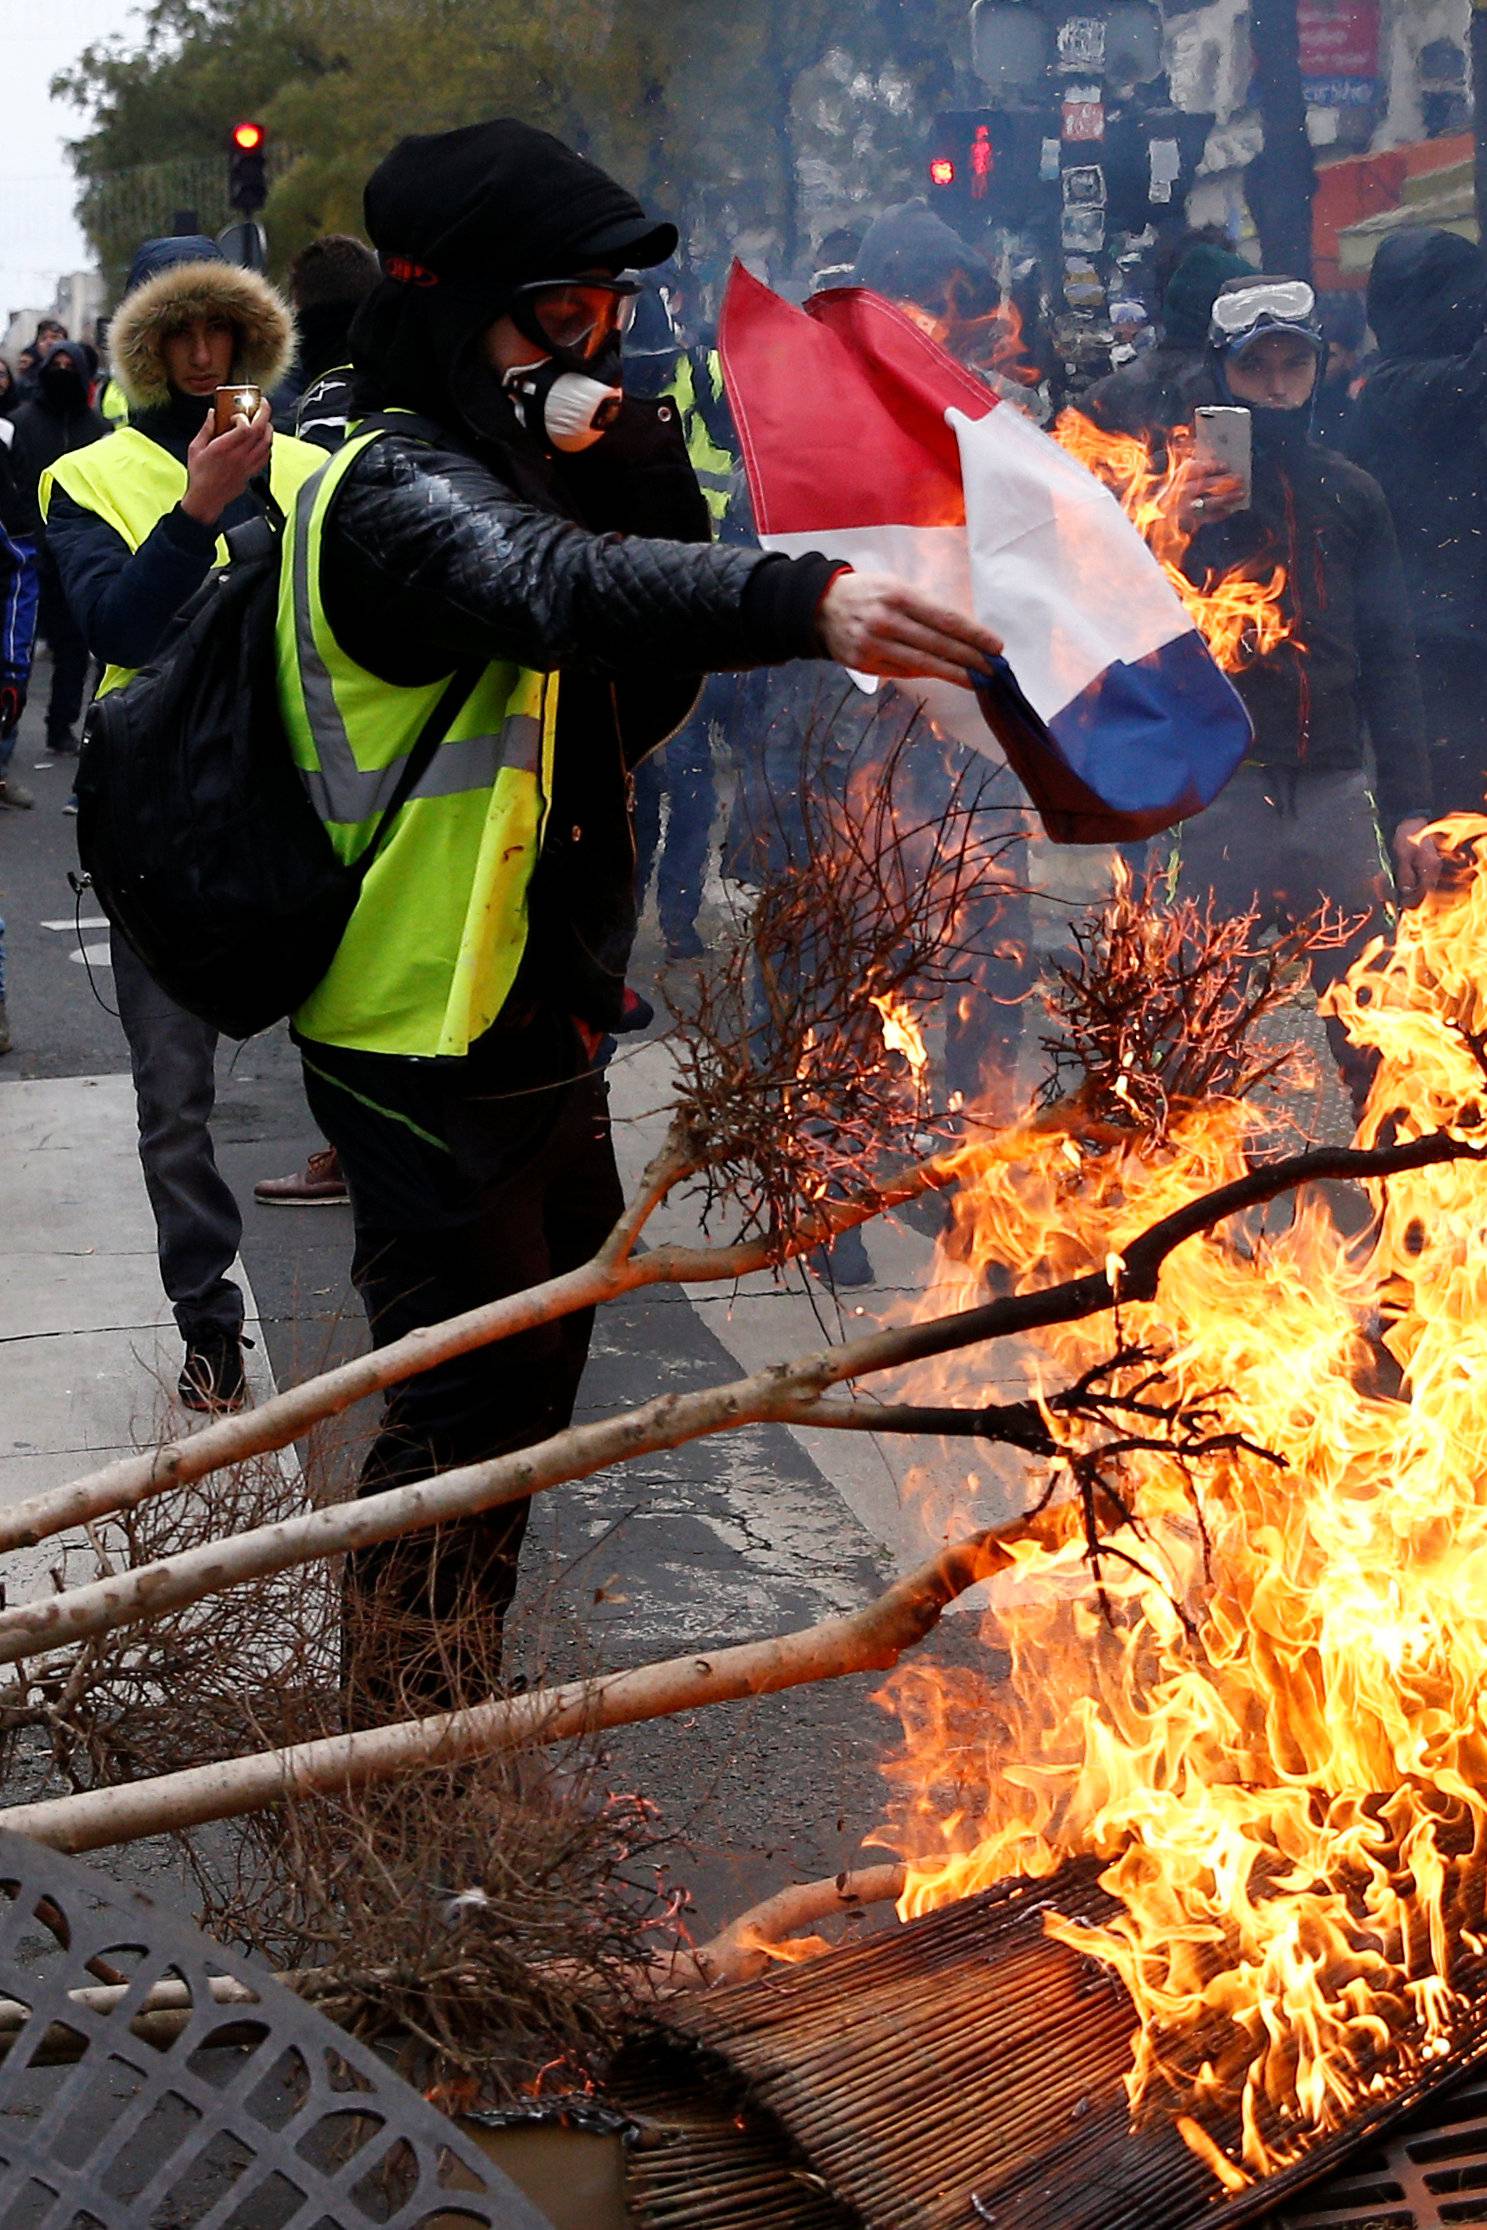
point(615, 1271)
point(868, 1640)
point(778, 1393)
point(737, 1953)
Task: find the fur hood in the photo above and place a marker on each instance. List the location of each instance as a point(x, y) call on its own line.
point(171, 299)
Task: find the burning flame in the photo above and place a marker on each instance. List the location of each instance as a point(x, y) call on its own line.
point(1238, 615)
point(901, 1032)
point(1277, 1742)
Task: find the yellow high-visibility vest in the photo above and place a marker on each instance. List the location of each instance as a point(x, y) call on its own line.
point(433, 947)
point(130, 482)
point(713, 466)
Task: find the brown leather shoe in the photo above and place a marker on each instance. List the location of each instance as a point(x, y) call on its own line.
point(318, 1185)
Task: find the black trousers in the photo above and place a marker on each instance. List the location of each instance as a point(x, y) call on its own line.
point(55, 623)
point(522, 1188)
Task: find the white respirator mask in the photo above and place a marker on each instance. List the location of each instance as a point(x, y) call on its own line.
point(570, 409)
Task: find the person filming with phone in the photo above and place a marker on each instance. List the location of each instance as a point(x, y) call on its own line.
point(1304, 820)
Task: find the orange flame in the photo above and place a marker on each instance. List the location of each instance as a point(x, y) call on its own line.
point(1238, 615)
point(901, 1032)
point(1278, 1743)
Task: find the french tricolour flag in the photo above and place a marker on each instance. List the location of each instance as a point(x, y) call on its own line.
point(863, 439)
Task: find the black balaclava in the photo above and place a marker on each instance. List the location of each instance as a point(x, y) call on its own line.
point(63, 380)
point(460, 220)
point(1282, 434)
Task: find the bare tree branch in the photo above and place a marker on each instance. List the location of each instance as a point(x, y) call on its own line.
point(670, 1421)
point(868, 1640)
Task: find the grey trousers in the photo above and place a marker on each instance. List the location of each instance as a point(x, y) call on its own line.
point(1287, 839)
point(197, 1221)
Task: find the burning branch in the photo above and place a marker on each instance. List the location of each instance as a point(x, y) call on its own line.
point(771, 1395)
point(791, 1101)
point(771, 1930)
point(1160, 1006)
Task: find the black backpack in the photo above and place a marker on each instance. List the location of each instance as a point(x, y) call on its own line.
point(194, 823)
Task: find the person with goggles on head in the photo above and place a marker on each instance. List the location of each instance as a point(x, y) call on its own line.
point(511, 560)
point(1298, 824)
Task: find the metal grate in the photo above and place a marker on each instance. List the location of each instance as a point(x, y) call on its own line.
point(1430, 2175)
point(255, 2115)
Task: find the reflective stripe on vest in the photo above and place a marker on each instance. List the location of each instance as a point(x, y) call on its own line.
point(713, 466)
point(434, 945)
point(130, 483)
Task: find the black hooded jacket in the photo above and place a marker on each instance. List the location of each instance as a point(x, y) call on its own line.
point(466, 538)
point(1421, 426)
point(1355, 681)
point(59, 418)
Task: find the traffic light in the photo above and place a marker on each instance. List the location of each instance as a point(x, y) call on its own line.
point(247, 183)
point(984, 164)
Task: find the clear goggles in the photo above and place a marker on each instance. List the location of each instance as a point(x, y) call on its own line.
point(575, 317)
point(1284, 303)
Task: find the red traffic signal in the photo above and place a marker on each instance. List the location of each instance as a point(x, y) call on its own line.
point(942, 171)
point(247, 175)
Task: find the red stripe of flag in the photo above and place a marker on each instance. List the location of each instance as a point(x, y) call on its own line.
point(841, 409)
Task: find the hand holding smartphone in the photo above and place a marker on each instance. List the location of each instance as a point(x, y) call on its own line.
point(1223, 441)
point(232, 403)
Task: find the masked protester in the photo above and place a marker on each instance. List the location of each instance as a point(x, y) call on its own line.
point(59, 419)
point(511, 549)
point(1420, 427)
point(1297, 825)
point(1148, 390)
point(134, 524)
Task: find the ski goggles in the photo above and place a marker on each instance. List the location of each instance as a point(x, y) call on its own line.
point(575, 317)
point(1287, 305)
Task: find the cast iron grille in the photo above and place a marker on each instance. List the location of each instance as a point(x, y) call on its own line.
point(1430, 2176)
point(200, 2115)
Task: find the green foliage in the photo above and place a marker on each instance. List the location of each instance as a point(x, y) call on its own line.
point(756, 123)
point(160, 108)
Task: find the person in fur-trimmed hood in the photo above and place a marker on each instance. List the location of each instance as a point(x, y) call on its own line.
point(189, 323)
point(134, 524)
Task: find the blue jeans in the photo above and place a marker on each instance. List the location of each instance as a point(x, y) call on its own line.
point(682, 771)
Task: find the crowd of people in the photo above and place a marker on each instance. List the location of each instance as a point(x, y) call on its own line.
point(500, 443)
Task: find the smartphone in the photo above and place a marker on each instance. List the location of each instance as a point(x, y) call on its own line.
point(232, 403)
point(1223, 436)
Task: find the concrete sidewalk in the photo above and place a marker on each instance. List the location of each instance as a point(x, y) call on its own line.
point(89, 1353)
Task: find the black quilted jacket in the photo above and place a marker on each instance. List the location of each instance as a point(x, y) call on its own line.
point(434, 556)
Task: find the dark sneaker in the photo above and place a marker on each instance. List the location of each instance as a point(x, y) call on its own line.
point(63, 746)
point(16, 796)
point(318, 1185)
point(212, 1378)
point(843, 1261)
point(684, 944)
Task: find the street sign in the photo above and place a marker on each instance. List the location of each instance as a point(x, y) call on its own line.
point(245, 243)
